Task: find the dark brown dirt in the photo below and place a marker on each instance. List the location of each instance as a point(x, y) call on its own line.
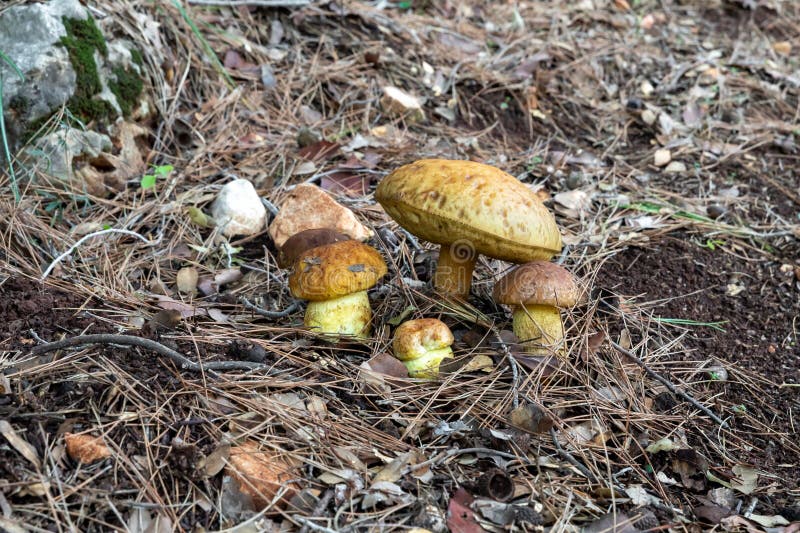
point(27, 305)
point(684, 279)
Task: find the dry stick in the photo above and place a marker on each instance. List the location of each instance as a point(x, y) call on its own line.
point(570, 458)
point(512, 362)
point(269, 314)
point(667, 383)
point(129, 340)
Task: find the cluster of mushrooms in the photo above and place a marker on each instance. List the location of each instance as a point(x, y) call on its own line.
point(468, 209)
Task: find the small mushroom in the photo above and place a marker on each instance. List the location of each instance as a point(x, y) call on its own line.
point(469, 209)
point(335, 279)
point(421, 345)
point(305, 240)
point(536, 291)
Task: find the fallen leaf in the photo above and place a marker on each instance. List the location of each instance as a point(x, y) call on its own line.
point(22, 446)
point(530, 417)
point(86, 448)
point(460, 518)
point(616, 522)
point(711, 514)
point(319, 151)
point(746, 479)
point(386, 364)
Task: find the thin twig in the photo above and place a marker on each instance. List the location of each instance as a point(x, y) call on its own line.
point(570, 458)
point(86, 237)
point(512, 362)
point(667, 383)
point(148, 344)
point(442, 457)
point(319, 508)
point(269, 314)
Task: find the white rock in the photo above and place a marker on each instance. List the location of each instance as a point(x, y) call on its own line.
point(676, 167)
point(238, 209)
point(646, 88)
point(309, 207)
point(396, 102)
point(649, 117)
point(662, 157)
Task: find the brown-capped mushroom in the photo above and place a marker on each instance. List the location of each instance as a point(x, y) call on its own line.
point(469, 209)
point(335, 279)
point(537, 291)
point(305, 240)
point(421, 345)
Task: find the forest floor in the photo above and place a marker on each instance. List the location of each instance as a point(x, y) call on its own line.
point(693, 265)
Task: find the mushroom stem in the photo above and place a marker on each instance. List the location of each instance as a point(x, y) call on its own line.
point(347, 315)
point(454, 270)
point(427, 366)
point(539, 327)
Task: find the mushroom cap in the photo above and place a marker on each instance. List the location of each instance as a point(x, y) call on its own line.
point(335, 270)
point(415, 338)
point(538, 283)
point(446, 202)
point(305, 240)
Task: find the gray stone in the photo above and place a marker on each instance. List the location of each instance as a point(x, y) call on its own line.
point(56, 152)
point(30, 35)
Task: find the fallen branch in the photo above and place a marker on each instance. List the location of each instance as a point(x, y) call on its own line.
point(668, 384)
point(269, 314)
point(128, 340)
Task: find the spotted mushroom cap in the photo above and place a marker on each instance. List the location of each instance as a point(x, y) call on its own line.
point(449, 202)
point(305, 240)
point(335, 270)
point(415, 338)
point(538, 283)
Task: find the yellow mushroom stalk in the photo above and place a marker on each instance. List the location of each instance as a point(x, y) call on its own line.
point(335, 279)
point(422, 345)
point(469, 209)
point(537, 291)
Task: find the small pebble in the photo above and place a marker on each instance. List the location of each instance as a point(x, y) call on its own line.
point(646, 88)
point(574, 180)
point(715, 211)
point(676, 167)
point(662, 157)
point(648, 117)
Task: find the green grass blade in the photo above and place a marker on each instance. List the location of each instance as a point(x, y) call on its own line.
point(209, 51)
point(3, 136)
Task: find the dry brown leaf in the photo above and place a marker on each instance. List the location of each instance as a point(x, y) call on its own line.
point(24, 447)
point(85, 448)
point(262, 474)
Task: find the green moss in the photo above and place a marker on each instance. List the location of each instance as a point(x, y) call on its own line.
point(126, 87)
point(136, 57)
point(82, 39)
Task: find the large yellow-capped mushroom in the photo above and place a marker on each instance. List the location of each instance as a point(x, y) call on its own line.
point(421, 345)
point(537, 291)
point(469, 209)
point(335, 279)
